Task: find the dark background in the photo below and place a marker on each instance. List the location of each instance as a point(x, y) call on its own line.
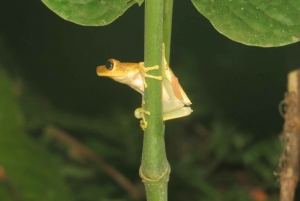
point(246, 83)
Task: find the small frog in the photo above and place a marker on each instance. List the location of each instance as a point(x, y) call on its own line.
point(175, 102)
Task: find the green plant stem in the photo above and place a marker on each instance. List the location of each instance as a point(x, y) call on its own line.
point(155, 168)
point(168, 11)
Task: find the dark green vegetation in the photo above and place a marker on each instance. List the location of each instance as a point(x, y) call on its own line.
point(227, 148)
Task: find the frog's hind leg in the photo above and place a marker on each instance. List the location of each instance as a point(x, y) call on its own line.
point(140, 114)
point(182, 112)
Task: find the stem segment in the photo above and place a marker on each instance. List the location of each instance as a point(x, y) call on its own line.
point(168, 11)
point(155, 168)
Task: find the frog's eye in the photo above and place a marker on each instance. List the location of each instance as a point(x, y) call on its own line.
point(109, 65)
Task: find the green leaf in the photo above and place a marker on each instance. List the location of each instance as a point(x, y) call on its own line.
point(90, 12)
point(31, 172)
point(139, 2)
point(254, 22)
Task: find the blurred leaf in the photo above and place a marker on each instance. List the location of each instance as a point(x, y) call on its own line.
point(220, 142)
point(258, 23)
point(5, 192)
point(90, 12)
point(29, 168)
point(263, 157)
point(235, 193)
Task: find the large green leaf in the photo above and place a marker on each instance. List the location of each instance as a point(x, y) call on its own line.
point(90, 12)
point(31, 172)
point(264, 23)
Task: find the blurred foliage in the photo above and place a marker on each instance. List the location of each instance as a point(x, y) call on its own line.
point(28, 171)
point(210, 161)
point(227, 149)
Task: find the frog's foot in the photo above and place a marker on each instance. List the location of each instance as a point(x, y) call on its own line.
point(140, 114)
point(143, 70)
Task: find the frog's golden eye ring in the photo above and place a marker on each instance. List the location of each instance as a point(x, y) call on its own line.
point(109, 65)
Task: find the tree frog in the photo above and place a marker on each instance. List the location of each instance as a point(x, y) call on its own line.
point(175, 102)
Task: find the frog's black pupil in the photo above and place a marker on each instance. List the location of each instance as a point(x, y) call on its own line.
point(109, 65)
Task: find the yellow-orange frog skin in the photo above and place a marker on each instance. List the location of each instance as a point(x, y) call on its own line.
point(174, 100)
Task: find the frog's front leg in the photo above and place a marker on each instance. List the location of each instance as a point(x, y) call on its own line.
point(140, 114)
point(143, 71)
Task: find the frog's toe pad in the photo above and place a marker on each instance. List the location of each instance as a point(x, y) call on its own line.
point(139, 113)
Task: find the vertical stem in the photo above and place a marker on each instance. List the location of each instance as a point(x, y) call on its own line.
point(154, 169)
point(168, 11)
point(289, 161)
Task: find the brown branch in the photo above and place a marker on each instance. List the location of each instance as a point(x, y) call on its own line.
point(289, 161)
point(80, 151)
